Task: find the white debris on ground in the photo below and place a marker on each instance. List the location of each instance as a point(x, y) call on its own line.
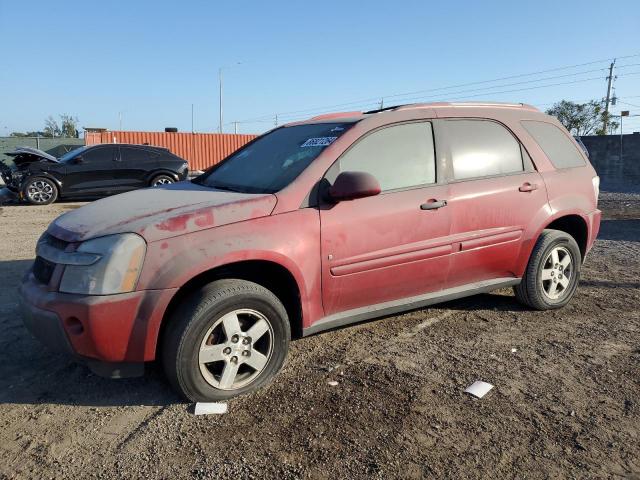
point(210, 408)
point(333, 383)
point(478, 388)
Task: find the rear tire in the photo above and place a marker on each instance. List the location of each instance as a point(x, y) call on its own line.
point(40, 191)
point(229, 338)
point(553, 272)
point(159, 180)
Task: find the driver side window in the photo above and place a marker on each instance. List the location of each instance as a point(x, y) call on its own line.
point(399, 156)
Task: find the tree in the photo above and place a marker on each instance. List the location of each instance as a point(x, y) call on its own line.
point(69, 126)
point(581, 118)
point(51, 128)
point(27, 134)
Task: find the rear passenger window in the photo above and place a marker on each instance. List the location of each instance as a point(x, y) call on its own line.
point(555, 143)
point(482, 148)
point(132, 154)
point(400, 156)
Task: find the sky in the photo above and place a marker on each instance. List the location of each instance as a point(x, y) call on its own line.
point(142, 64)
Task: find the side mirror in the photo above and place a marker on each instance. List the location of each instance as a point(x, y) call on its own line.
point(352, 185)
point(78, 159)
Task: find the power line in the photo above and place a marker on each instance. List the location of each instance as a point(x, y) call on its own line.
point(295, 117)
point(395, 95)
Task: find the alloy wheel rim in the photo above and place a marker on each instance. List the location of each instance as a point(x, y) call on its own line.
point(236, 349)
point(162, 181)
point(557, 271)
point(40, 191)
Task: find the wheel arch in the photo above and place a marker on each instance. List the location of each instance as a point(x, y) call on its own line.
point(46, 175)
point(271, 275)
point(572, 224)
point(162, 171)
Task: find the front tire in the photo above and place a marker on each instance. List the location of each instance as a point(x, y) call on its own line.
point(553, 272)
point(40, 191)
point(229, 338)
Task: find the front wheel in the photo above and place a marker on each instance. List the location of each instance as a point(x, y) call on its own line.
point(229, 338)
point(40, 191)
point(553, 272)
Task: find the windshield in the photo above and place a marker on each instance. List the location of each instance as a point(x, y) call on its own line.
point(72, 153)
point(273, 161)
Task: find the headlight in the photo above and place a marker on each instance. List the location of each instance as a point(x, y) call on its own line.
point(116, 271)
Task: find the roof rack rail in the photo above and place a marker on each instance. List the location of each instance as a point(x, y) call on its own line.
point(385, 109)
point(493, 104)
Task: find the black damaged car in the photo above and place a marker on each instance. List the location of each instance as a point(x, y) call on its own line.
point(90, 172)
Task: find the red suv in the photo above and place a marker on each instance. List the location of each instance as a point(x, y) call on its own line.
point(312, 226)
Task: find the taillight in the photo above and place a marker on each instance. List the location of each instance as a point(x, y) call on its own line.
point(596, 187)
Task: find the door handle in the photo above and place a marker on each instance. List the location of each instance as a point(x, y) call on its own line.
point(433, 204)
point(528, 187)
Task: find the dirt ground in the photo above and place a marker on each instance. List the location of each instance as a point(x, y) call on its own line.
point(566, 403)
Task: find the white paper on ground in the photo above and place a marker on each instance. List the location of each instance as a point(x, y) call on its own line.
point(208, 408)
point(479, 389)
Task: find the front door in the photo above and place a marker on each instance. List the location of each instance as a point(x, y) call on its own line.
point(92, 173)
point(394, 245)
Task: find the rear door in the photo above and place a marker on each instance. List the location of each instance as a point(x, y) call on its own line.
point(386, 247)
point(494, 194)
point(92, 173)
point(136, 166)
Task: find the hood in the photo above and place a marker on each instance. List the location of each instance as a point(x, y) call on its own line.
point(161, 212)
point(28, 155)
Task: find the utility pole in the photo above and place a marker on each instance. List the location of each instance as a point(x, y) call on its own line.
point(235, 127)
point(120, 120)
point(192, 118)
point(605, 120)
point(220, 109)
point(381, 103)
point(276, 121)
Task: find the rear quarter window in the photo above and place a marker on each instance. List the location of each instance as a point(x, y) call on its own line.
point(556, 145)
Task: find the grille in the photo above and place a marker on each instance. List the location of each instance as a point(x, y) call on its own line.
point(43, 270)
point(55, 242)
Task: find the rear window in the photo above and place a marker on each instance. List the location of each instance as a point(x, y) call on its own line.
point(482, 148)
point(556, 145)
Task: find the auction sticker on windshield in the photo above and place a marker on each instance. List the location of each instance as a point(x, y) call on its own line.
point(319, 142)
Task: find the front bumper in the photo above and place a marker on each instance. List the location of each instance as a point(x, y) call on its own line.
point(104, 330)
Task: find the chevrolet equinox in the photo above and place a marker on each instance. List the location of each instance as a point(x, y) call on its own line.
point(315, 225)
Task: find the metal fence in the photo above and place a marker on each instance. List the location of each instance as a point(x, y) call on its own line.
point(53, 146)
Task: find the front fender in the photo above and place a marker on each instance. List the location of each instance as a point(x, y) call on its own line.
point(291, 240)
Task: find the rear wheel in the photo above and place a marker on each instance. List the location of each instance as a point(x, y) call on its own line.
point(553, 272)
point(40, 191)
point(161, 180)
point(228, 338)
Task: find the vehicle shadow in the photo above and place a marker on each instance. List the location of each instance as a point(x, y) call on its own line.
point(496, 301)
point(31, 374)
point(620, 230)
